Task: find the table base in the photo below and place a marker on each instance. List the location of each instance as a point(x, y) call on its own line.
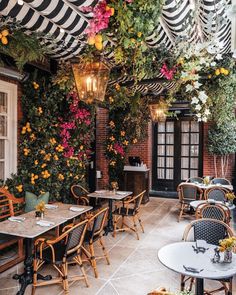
point(199, 287)
point(26, 278)
point(109, 228)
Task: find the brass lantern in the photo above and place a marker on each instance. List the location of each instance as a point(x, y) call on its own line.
point(91, 80)
point(158, 111)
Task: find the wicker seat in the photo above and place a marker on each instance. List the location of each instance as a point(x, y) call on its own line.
point(187, 193)
point(80, 194)
point(222, 181)
point(216, 193)
point(60, 252)
point(95, 233)
point(211, 231)
point(128, 209)
point(195, 180)
point(213, 211)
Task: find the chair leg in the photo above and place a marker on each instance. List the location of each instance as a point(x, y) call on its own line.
point(79, 261)
point(34, 277)
point(65, 277)
point(115, 226)
point(182, 284)
point(104, 250)
point(140, 222)
point(20, 248)
point(93, 260)
point(135, 228)
point(181, 212)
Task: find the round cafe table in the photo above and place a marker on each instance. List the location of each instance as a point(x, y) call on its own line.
point(177, 255)
point(195, 204)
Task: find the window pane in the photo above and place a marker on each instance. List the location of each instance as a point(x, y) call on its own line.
point(161, 162)
point(194, 126)
point(169, 150)
point(2, 170)
point(161, 173)
point(185, 150)
point(3, 126)
point(2, 149)
point(169, 173)
point(170, 127)
point(194, 173)
point(3, 102)
point(185, 126)
point(184, 162)
point(161, 127)
point(194, 163)
point(161, 150)
point(194, 150)
point(194, 138)
point(184, 174)
point(161, 138)
point(185, 138)
point(169, 138)
point(170, 162)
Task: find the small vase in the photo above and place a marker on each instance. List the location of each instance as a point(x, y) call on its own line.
point(42, 215)
point(228, 256)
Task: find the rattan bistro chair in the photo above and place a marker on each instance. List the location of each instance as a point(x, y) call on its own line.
point(212, 231)
point(60, 252)
point(216, 193)
point(128, 209)
point(187, 193)
point(95, 233)
point(80, 194)
point(213, 211)
point(222, 181)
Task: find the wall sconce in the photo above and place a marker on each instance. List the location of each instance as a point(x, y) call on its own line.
point(91, 79)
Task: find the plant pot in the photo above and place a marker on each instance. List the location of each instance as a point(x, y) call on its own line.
point(228, 256)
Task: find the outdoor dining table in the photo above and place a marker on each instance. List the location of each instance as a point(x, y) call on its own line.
point(196, 203)
point(181, 257)
point(30, 229)
point(110, 195)
point(207, 186)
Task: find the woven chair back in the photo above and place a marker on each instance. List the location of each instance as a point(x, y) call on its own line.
point(195, 180)
point(222, 181)
point(138, 201)
point(216, 193)
point(99, 222)
point(80, 194)
point(187, 191)
point(209, 230)
point(213, 212)
point(76, 237)
point(9, 205)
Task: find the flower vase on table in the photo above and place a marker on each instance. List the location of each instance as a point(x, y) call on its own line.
point(228, 256)
point(226, 246)
point(114, 186)
point(40, 210)
point(230, 198)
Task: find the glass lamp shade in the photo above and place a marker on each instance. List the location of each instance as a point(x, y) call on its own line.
point(91, 80)
point(158, 111)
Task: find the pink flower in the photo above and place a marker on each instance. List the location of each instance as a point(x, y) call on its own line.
point(168, 73)
point(129, 1)
point(119, 149)
point(69, 153)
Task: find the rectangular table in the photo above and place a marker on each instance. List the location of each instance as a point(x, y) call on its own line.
point(29, 229)
point(110, 196)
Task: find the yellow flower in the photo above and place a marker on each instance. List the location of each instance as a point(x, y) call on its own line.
point(81, 147)
point(117, 87)
point(226, 72)
point(23, 131)
point(139, 34)
point(60, 148)
point(47, 157)
point(35, 85)
point(209, 76)
point(36, 162)
point(60, 176)
point(40, 110)
point(122, 133)
point(19, 188)
point(43, 165)
point(111, 99)
point(45, 174)
point(76, 177)
point(112, 138)
point(135, 140)
point(55, 157)
point(180, 61)
point(26, 151)
point(32, 136)
point(132, 40)
point(217, 72)
point(112, 163)
point(112, 124)
point(53, 141)
point(40, 207)
point(42, 152)
point(125, 142)
point(222, 70)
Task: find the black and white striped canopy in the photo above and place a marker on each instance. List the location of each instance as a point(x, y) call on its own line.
point(65, 22)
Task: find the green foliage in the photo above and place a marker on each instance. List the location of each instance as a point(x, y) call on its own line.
point(222, 138)
point(56, 132)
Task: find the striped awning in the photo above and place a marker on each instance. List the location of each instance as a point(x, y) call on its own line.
point(66, 23)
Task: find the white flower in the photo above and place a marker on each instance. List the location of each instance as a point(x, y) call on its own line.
point(199, 119)
point(202, 96)
point(195, 100)
point(189, 87)
point(204, 119)
point(198, 107)
point(202, 60)
point(196, 84)
point(207, 112)
point(219, 56)
point(213, 64)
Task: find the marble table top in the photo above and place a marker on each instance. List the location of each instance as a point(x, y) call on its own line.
point(175, 256)
point(105, 194)
point(195, 204)
point(29, 227)
point(204, 186)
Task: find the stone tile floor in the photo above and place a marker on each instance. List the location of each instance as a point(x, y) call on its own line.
point(134, 269)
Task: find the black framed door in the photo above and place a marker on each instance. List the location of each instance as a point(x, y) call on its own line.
point(177, 153)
